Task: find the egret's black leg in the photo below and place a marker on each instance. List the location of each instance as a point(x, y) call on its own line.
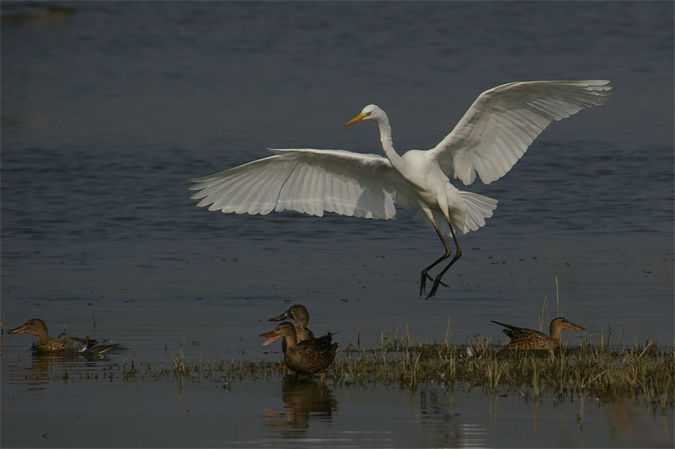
point(458, 254)
point(425, 272)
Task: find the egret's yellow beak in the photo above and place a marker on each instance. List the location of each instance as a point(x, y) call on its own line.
point(358, 118)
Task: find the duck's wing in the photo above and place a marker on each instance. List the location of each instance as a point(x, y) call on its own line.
point(503, 121)
point(521, 333)
point(509, 328)
point(75, 344)
point(103, 346)
point(325, 340)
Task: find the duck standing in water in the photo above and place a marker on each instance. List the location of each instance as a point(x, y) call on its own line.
point(307, 357)
point(300, 315)
point(523, 338)
point(38, 328)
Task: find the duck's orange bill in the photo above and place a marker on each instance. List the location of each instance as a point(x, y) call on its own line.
point(271, 336)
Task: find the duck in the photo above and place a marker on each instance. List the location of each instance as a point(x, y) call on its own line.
point(306, 357)
point(38, 327)
point(300, 315)
point(523, 338)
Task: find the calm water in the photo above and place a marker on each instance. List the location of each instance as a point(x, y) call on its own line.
point(108, 109)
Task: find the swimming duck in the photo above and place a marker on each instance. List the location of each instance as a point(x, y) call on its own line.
point(522, 338)
point(307, 357)
point(38, 328)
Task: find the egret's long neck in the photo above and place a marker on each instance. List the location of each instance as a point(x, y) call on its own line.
point(387, 143)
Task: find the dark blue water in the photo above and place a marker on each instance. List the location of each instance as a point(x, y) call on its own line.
point(108, 109)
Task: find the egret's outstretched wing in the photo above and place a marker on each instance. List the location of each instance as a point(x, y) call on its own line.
point(499, 126)
point(309, 181)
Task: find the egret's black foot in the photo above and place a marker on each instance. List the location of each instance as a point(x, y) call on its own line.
point(423, 282)
point(434, 288)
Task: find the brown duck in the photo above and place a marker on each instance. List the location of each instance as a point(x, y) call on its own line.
point(307, 357)
point(38, 328)
point(522, 338)
point(300, 315)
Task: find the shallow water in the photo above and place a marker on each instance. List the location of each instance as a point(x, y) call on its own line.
point(286, 412)
point(108, 109)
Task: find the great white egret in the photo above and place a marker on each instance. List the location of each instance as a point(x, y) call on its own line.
point(489, 139)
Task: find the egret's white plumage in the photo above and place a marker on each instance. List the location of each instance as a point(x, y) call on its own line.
point(493, 134)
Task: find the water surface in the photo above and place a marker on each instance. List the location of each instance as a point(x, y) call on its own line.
point(108, 109)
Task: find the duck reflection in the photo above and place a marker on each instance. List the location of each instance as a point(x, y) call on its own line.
point(446, 425)
point(304, 398)
point(42, 367)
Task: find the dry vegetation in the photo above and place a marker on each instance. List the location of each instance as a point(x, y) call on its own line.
point(606, 373)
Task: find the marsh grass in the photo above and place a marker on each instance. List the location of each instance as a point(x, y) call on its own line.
point(607, 373)
point(213, 370)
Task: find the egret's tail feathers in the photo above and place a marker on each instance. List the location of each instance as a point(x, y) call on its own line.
point(478, 208)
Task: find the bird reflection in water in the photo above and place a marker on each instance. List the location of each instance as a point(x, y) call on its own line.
point(444, 423)
point(304, 398)
point(43, 367)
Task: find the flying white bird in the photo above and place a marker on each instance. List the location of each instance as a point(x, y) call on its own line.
point(493, 134)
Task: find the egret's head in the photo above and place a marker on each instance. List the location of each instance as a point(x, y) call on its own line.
point(370, 112)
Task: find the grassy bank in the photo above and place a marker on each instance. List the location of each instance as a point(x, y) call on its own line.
point(607, 373)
